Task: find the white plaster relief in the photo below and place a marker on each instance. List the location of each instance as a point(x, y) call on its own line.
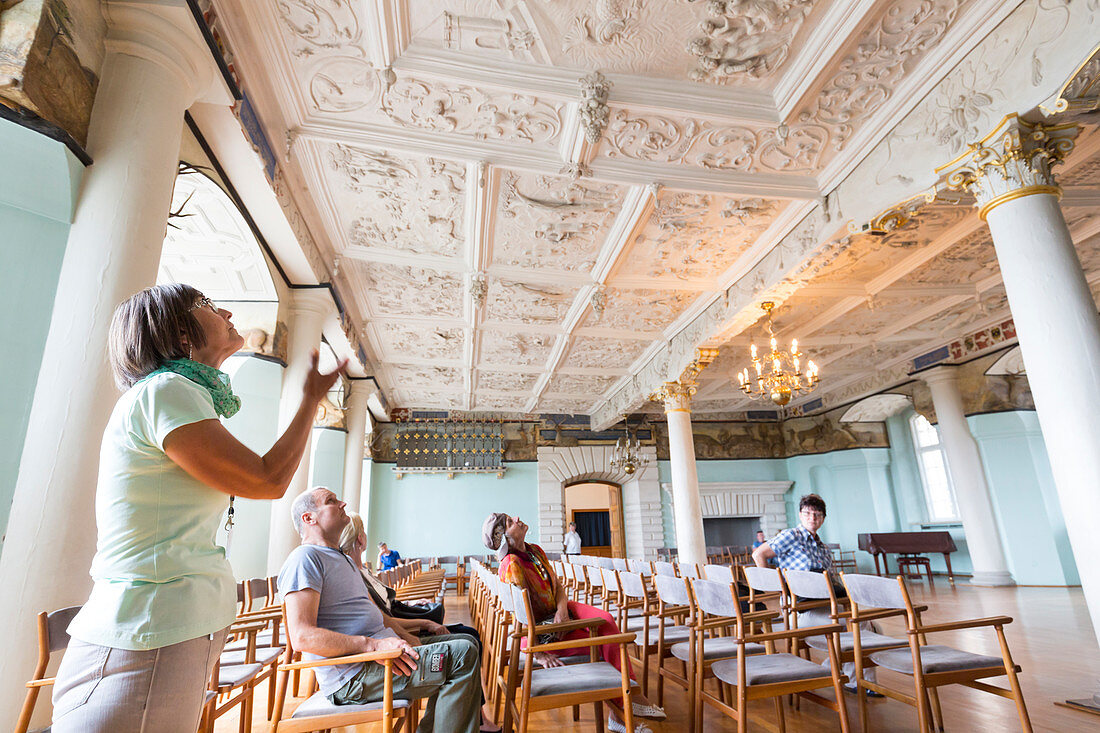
point(502, 347)
point(425, 342)
point(745, 39)
point(520, 302)
point(599, 353)
point(416, 291)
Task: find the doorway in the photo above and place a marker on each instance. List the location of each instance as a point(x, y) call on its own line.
point(596, 507)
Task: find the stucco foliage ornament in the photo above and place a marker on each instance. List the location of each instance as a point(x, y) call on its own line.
point(465, 109)
point(607, 23)
point(424, 343)
point(707, 144)
point(321, 25)
point(749, 38)
point(414, 291)
point(594, 111)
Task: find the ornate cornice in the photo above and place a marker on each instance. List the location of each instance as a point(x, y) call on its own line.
point(1014, 160)
point(1081, 94)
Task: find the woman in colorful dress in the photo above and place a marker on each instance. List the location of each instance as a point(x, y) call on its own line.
point(525, 564)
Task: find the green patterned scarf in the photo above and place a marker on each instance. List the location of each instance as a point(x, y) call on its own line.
point(214, 380)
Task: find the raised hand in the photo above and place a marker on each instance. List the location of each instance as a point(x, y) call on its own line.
point(317, 384)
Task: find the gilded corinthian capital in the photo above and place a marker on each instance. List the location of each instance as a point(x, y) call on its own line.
point(676, 396)
point(1012, 161)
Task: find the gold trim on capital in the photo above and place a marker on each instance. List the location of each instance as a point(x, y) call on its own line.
point(676, 396)
point(1019, 193)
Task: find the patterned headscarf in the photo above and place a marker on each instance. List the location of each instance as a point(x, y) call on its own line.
point(492, 533)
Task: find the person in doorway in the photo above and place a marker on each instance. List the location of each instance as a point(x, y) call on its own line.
point(800, 548)
point(572, 540)
point(525, 564)
point(387, 558)
point(329, 613)
point(144, 643)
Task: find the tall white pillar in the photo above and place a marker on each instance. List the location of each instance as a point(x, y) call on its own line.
point(155, 67)
point(355, 419)
point(690, 542)
point(309, 309)
point(964, 463)
point(1056, 321)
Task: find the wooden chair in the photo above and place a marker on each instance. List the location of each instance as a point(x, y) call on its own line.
point(843, 560)
point(317, 713)
point(773, 674)
point(673, 611)
point(556, 687)
point(661, 567)
point(911, 565)
point(52, 637)
point(930, 666)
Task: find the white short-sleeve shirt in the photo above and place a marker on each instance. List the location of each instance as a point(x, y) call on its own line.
point(159, 577)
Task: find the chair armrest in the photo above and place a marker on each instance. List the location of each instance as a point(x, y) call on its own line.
point(571, 625)
point(348, 659)
point(969, 624)
point(260, 615)
point(41, 683)
point(574, 643)
point(795, 633)
point(247, 627)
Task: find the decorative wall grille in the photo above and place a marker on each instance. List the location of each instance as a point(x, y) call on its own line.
point(426, 445)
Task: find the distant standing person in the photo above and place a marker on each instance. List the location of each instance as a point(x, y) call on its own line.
point(760, 539)
point(572, 540)
point(387, 558)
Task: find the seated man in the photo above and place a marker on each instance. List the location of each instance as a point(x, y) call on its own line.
point(799, 548)
point(330, 614)
point(387, 558)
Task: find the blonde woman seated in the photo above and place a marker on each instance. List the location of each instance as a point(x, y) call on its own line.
point(524, 564)
point(353, 543)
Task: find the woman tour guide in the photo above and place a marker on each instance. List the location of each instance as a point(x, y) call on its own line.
point(145, 641)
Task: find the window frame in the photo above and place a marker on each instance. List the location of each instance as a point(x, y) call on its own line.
point(920, 451)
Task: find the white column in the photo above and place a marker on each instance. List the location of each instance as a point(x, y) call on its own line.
point(1056, 321)
point(355, 419)
point(690, 543)
point(309, 308)
point(964, 463)
point(155, 67)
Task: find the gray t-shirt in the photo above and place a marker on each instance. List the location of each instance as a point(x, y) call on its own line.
point(345, 605)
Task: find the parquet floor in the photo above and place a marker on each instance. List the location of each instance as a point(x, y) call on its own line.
point(1051, 639)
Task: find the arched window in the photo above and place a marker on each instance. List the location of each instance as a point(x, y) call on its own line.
point(939, 494)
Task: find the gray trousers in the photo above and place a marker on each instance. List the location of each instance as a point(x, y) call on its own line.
point(101, 689)
point(446, 673)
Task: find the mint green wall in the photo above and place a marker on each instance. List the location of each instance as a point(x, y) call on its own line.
point(258, 383)
point(423, 516)
point(1028, 514)
point(326, 466)
point(39, 180)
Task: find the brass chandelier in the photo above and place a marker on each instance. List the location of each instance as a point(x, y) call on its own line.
point(779, 375)
point(627, 453)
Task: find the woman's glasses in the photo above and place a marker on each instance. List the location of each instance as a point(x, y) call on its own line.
point(204, 301)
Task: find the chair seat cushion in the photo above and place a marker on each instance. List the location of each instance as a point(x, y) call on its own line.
point(635, 623)
point(237, 674)
point(723, 647)
point(318, 704)
point(868, 641)
point(577, 659)
point(673, 634)
point(264, 655)
point(934, 658)
point(766, 669)
point(575, 678)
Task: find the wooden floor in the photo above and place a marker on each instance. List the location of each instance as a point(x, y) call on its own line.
point(1051, 639)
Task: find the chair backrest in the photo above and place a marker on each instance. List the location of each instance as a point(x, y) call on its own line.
point(660, 567)
point(714, 598)
point(631, 584)
point(57, 624)
point(610, 579)
point(520, 604)
point(689, 570)
point(595, 575)
point(606, 562)
point(763, 579)
point(256, 588)
point(808, 584)
point(619, 563)
point(718, 573)
point(641, 567)
point(671, 590)
point(874, 592)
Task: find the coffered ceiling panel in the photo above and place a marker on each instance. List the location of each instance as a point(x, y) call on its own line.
point(603, 353)
point(695, 236)
point(552, 223)
point(515, 348)
point(397, 290)
point(497, 381)
point(527, 303)
point(643, 313)
point(387, 203)
point(425, 342)
point(579, 385)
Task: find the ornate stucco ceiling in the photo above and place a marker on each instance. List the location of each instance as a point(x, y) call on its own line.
point(516, 234)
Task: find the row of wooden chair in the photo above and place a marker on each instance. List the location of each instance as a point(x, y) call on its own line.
point(658, 602)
